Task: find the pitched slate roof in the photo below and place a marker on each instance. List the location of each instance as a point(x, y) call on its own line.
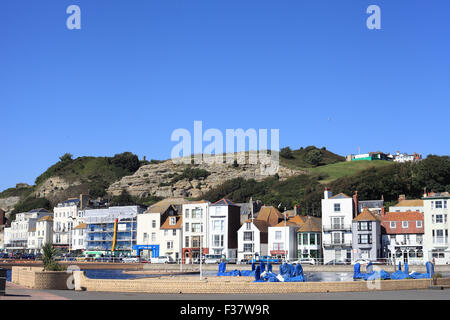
point(38, 210)
point(260, 224)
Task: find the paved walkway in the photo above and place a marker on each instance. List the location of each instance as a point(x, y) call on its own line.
point(16, 292)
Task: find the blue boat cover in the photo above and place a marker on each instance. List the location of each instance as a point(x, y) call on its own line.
point(399, 274)
point(428, 275)
point(262, 266)
point(374, 275)
point(223, 272)
point(269, 267)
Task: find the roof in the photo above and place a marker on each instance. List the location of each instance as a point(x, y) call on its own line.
point(260, 224)
point(299, 220)
point(367, 215)
point(38, 210)
point(177, 225)
point(270, 215)
point(410, 203)
point(311, 224)
point(75, 200)
point(81, 226)
point(437, 195)
point(46, 218)
point(370, 203)
point(224, 202)
point(288, 223)
point(340, 196)
point(402, 216)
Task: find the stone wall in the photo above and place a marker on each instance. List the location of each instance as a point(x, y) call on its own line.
point(244, 285)
point(37, 278)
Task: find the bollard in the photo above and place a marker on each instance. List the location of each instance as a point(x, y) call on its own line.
point(2, 281)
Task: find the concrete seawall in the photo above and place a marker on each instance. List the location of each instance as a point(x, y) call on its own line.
point(224, 285)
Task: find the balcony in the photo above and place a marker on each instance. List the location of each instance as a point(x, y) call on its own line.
point(337, 227)
point(337, 243)
point(440, 241)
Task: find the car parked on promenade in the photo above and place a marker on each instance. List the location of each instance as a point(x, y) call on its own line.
point(309, 261)
point(130, 259)
point(213, 258)
point(337, 262)
point(162, 259)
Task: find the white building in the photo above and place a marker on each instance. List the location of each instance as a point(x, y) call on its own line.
point(7, 234)
point(253, 234)
point(283, 240)
point(337, 216)
point(172, 243)
point(24, 223)
point(79, 237)
point(195, 230)
point(150, 236)
point(67, 215)
point(404, 157)
point(224, 222)
point(404, 205)
point(437, 224)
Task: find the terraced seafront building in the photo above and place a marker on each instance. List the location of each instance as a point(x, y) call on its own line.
point(437, 225)
point(337, 216)
point(366, 230)
point(100, 228)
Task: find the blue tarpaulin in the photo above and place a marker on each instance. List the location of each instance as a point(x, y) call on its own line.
point(399, 274)
point(428, 275)
point(370, 275)
point(223, 272)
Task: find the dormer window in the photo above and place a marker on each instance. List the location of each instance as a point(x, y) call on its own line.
point(172, 221)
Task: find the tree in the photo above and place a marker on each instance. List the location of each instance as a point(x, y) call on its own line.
point(314, 157)
point(48, 258)
point(286, 153)
point(125, 199)
point(127, 161)
point(66, 157)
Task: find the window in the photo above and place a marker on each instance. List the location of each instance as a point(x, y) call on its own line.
point(218, 240)
point(305, 239)
point(278, 246)
point(169, 244)
point(419, 224)
point(364, 239)
point(174, 232)
point(337, 207)
point(186, 242)
point(153, 224)
point(248, 236)
point(405, 224)
point(196, 227)
point(217, 225)
point(186, 226)
point(153, 236)
point(278, 235)
point(172, 221)
point(186, 213)
point(312, 239)
point(393, 225)
point(248, 225)
point(248, 247)
point(438, 204)
point(145, 236)
point(439, 218)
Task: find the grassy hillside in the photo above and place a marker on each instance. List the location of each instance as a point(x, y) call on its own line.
point(303, 158)
point(343, 169)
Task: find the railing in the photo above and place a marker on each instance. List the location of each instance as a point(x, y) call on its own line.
point(337, 227)
point(440, 240)
point(337, 243)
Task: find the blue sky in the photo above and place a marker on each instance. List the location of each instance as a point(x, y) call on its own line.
point(137, 70)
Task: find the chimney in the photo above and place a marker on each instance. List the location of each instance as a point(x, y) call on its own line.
point(355, 203)
point(327, 193)
point(297, 210)
point(401, 197)
point(425, 192)
point(383, 211)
